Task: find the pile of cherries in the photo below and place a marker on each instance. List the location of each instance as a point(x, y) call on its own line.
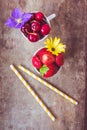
point(36, 28)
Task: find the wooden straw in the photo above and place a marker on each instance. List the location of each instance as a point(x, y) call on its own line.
point(32, 92)
point(48, 85)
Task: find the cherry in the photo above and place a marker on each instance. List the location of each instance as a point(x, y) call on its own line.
point(33, 37)
point(25, 29)
point(35, 26)
point(45, 29)
point(39, 16)
point(32, 17)
point(43, 21)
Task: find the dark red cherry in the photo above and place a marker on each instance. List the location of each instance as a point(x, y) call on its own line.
point(33, 37)
point(35, 26)
point(39, 16)
point(45, 29)
point(26, 29)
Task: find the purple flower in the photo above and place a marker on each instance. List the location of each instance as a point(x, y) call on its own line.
point(17, 19)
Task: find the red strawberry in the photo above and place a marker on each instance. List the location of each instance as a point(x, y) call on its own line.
point(48, 71)
point(60, 59)
point(41, 52)
point(47, 58)
point(36, 62)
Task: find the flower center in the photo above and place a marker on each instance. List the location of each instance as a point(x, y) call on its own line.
point(53, 49)
point(19, 20)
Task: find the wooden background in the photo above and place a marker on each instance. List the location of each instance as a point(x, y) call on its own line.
point(18, 109)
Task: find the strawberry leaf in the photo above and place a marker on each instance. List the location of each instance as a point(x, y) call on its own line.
point(43, 69)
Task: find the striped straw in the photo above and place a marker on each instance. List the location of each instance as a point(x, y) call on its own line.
point(48, 85)
point(32, 92)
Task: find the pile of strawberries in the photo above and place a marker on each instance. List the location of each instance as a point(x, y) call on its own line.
point(47, 63)
point(36, 28)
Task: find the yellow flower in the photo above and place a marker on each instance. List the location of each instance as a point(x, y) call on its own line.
point(55, 46)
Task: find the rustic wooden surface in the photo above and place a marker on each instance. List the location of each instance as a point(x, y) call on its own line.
point(18, 109)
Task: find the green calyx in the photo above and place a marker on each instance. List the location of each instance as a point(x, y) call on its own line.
point(43, 69)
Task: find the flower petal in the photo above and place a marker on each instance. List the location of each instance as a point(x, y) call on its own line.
point(10, 22)
point(54, 46)
point(61, 48)
point(56, 42)
point(17, 13)
point(19, 25)
point(49, 42)
point(26, 17)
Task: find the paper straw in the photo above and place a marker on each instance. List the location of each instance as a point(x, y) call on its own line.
point(48, 85)
point(32, 92)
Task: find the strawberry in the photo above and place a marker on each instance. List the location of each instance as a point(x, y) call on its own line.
point(48, 70)
point(41, 52)
point(36, 62)
point(46, 57)
point(60, 59)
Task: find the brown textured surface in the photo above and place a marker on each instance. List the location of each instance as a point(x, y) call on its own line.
point(18, 109)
